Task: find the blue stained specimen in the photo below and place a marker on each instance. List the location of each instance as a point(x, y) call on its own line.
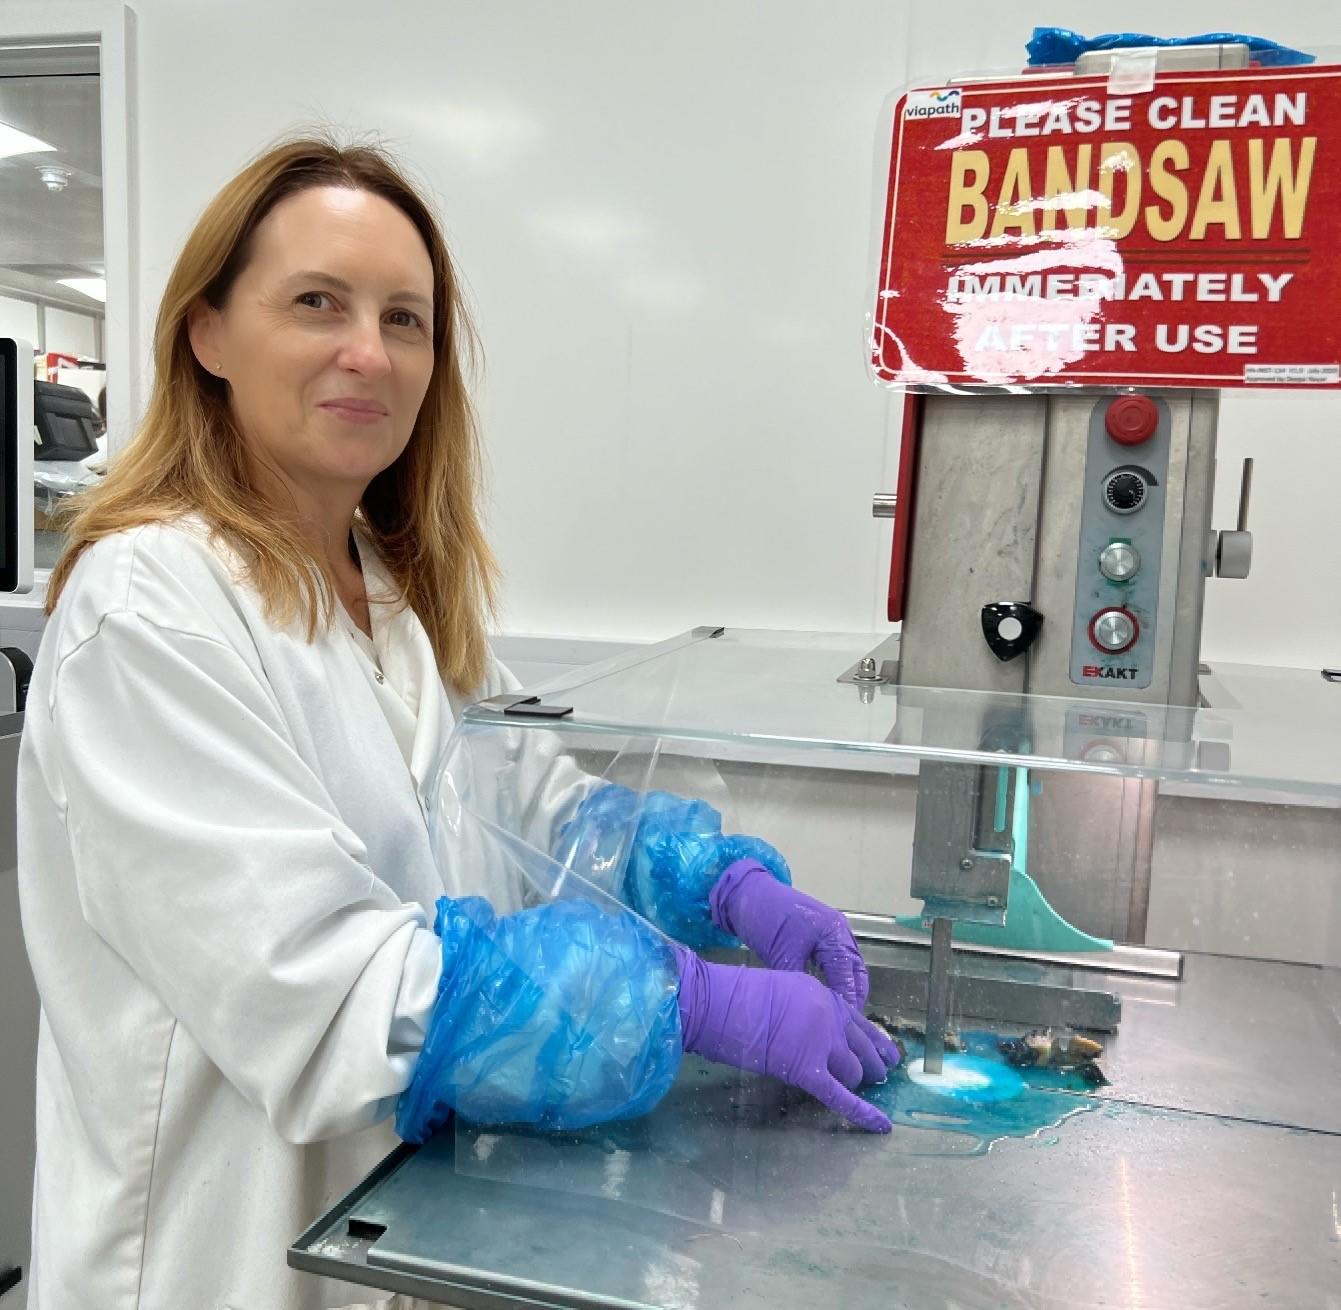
point(997, 1102)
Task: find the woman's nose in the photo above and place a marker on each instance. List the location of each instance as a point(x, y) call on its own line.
point(363, 350)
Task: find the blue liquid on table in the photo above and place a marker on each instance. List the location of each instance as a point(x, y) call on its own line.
point(1015, 1103)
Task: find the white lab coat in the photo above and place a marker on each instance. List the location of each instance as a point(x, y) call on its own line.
point(226, 886)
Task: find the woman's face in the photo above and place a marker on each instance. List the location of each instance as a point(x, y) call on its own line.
point(326, 339)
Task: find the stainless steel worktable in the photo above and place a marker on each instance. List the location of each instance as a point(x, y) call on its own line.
point(1208, 1174)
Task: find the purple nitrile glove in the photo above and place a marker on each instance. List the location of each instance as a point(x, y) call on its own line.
point(787, 929)
point(789, 1025)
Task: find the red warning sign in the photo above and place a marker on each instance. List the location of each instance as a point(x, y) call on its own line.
point(1048, 231)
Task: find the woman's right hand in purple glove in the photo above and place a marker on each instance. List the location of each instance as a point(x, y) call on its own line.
point(789, 1025)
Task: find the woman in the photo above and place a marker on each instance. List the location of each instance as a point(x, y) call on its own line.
point(266, 621)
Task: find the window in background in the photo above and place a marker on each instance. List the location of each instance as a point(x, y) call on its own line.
point(52, 275)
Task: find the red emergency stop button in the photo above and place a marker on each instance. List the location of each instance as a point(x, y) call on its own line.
point(1131, 419)
point(1114, 630)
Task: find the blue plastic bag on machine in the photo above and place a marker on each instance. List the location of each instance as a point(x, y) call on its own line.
point(1058, 45)
point(557, 1005)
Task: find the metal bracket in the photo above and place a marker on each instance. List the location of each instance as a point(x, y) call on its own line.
point(518, 703)
point(1000, 991)
point(955, 871)
point(1132, 69)
point(880, 667)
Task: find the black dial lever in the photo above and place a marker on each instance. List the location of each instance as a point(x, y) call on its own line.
point(1028, 619)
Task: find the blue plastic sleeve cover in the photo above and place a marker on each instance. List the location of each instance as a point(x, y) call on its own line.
point(676, 856)
point(1058, 45)
point(561, 1016)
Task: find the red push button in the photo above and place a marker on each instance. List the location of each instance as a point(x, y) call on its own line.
point(1114, 630)
point(1131, 419)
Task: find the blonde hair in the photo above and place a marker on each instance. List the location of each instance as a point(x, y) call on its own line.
point(421, 513)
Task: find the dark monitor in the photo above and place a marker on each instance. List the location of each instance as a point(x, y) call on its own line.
point(16, 464)
point(67, 421)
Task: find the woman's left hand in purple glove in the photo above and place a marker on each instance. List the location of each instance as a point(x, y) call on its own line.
point(788, 929)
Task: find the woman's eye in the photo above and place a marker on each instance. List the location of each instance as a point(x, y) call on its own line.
point(312, 299)
point(404, 318)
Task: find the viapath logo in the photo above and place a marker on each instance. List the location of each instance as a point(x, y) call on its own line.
point(947, 102)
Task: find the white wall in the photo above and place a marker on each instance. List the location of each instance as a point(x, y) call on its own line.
point(72, 334)
point(18, 318)
point(663, 213)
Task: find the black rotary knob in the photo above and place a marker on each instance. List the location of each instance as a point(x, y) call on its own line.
point(1124, 491)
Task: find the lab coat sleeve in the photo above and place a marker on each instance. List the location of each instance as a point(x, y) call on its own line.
point(658, 853)
point(502, 792)
point(210, 858)
point(547, 784)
